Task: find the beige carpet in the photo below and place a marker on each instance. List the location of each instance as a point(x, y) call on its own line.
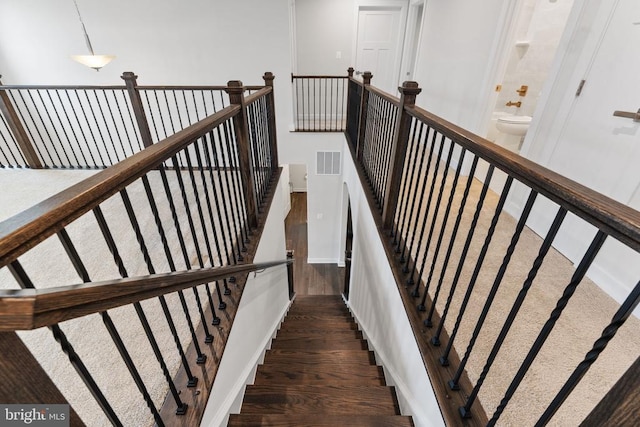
point(581, 323)
point(48, 266)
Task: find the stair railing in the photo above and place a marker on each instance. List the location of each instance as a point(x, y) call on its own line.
point(187, 206)
point(92, 127)
point(419, 171)
point(319, 102)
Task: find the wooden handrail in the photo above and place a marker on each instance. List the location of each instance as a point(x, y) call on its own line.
point(384, 95)
point(34, 308)
point(611, 216)
point(25, 230)
point(294, 76)
point(263, 91)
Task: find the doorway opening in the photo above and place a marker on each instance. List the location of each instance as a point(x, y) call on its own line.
point(380, 40)
point(530, 46)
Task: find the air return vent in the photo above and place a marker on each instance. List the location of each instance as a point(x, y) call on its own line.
point(328, 163)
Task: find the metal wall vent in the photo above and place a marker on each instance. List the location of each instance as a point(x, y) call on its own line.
point(328, 163)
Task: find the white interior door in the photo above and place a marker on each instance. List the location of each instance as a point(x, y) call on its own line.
point(379, 44)
point(606, 149)
point(597, 149)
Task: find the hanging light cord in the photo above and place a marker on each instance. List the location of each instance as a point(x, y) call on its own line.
point(84, 30)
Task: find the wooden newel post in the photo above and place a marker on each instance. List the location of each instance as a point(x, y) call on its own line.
point(130, 80)
point(408, 91)
point(350, 72)
point(23, 379)
point(271, 107)
point(362, 123)
point(235, 89)
point(15, 125)
point(292, 291)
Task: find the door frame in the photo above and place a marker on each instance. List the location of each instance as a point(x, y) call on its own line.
point(403, 6)
point(573, 62)
point(413, 30)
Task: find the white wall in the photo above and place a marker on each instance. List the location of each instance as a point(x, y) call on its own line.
point(323, 191)
point(205, 42)
point(298, 177)
point(378, 309)
point(323, 28)
point(456, 54)
point(263, 305)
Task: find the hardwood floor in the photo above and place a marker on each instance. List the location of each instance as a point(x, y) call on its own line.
point(309, 279)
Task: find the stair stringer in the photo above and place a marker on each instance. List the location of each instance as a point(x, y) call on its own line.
point(409, 405)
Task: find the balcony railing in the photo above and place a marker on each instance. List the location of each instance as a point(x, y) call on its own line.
point(138, 270)
point(320, 103)
point(468, 271)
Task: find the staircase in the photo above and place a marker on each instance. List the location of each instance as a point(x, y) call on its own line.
point(319, 372)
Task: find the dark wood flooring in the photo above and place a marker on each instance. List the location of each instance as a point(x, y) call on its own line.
point(309, 279)
point(319, 372)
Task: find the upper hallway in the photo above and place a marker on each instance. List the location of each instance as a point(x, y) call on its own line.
point(459, 52)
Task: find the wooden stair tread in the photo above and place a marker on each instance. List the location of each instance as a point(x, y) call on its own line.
point(318, 399)
point(319, 372)
point(327, 420)
point(300, 373)
point(317, 333)
point(314, 357)
point(319, 343)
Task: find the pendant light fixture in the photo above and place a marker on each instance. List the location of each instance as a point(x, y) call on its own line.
point(93, 61)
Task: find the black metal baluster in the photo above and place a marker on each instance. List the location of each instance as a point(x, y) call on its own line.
point(71, 127)
point(619, 318)
point(389, 132)
point(221, 201)
point(95, 121)
point(463, 256)
point(28, 129)
point(55, 130)
point(44, 128)
point(115, 125)
point(106, 127)
point(429, 140)
point(200, 357)
point(15, 144)
point(84, 137)
point(191, 380)
point(411, 164)
point(453, 383)
point(234, 203)
point(124, 124)
point(132, 122)
point(113, 332)
point(577, 277)
point(111, 244)
point(444, 359)
point(62, 126)
point(429, 320)
point(443, 227)
point(216, 239)
point(408, 268)
point(234, 167)
point(202, 222)
point(533, 272)
point(208, 336)
point(86, 119)
point(436, 210)
point(25, 283)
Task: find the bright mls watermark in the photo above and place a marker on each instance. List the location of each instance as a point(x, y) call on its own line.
point(34, 415)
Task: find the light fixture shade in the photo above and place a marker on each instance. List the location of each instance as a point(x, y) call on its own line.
point(93, 61)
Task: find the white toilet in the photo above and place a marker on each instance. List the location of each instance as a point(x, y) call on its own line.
point(512, 130)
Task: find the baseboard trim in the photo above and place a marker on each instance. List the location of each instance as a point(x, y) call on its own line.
point(322, 260)
point(392, 378)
